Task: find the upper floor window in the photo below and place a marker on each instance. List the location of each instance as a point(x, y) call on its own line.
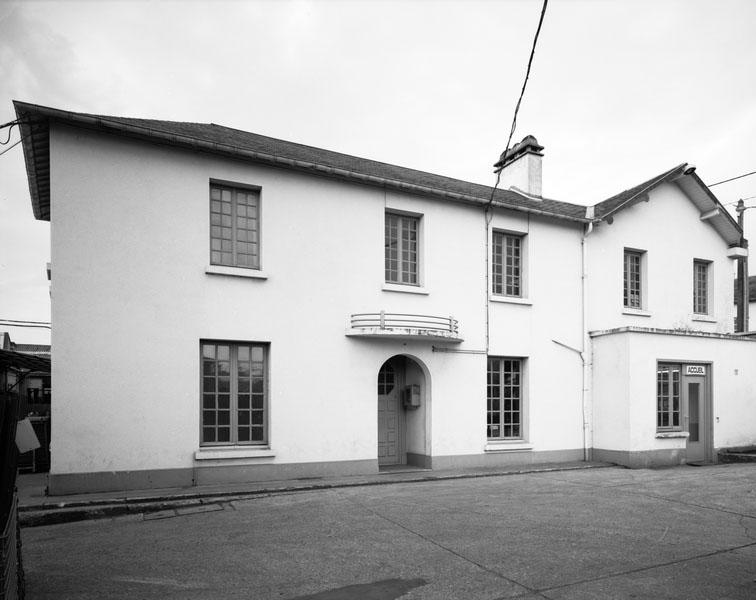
point(507, 264)
point(701, 287)
point(401, 248)
point(633, 279)
point(234, 402)
point(234, 226)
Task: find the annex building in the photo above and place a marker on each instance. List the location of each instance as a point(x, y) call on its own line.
point(229, 307)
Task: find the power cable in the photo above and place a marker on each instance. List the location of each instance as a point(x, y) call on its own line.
point(732, 178)
point(11, 146)
point(736, 201)
point(519, 100)
point(10, 125)
point(487, 215)
point(25, 321)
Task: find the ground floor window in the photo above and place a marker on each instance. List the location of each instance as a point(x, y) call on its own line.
point(234, 393)
point(668, 406)
point(505, 398)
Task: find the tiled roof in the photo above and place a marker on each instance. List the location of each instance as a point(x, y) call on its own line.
point(210, 137)
point(685, 177)
point(615, 202)
point(38, 349)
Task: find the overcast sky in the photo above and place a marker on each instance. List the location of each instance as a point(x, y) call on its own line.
point(620, 90)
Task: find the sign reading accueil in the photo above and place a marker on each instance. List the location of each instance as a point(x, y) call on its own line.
point(695, 370)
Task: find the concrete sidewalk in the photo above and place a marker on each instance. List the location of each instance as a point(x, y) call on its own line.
point(37, 509)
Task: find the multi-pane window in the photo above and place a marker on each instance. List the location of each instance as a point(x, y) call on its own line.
point(233, 393)
point(504, 419)
point(668, 396)
point(401, 248)
point(507, 264)
point(632, 277)
point(386, 378)
point(701, 287)
point(234, 226)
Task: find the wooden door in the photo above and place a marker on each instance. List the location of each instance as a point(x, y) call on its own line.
point(390, 414)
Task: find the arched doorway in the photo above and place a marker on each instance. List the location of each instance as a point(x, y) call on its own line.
point(402, 413)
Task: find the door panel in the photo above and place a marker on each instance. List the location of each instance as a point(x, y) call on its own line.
point(390, 415)
point(695, 401)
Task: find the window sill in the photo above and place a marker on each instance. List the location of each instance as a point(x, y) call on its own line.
point(221, 452)
point(635, 312)
point(703, 318)
point(510, 300)
point(664, 435)
point(235, 272)
point(507, 446)
point(405, 289)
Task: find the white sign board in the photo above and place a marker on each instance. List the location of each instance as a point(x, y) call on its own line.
point(695, 370)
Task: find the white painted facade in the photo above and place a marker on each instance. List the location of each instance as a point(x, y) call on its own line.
point(134, 295)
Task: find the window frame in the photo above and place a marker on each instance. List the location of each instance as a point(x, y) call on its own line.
point(627, 300)
point(235, 188)
point(234, 441)
point(522, 399)
point(701, 296)
point(670, 411)
point(417, 219)
point(503, 255)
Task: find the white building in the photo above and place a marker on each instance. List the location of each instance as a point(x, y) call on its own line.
point(232, 307)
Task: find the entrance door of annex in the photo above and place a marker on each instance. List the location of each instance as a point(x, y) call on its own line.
point(391, 426)
point(696, 401)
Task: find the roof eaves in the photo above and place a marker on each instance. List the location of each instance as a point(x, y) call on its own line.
point(41, 200)
point(642, 189)
point(35, 142)
point(723, 211)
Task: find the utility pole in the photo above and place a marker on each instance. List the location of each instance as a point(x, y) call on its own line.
point(742, 316)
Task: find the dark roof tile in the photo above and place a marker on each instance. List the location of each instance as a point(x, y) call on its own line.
point(231, 141)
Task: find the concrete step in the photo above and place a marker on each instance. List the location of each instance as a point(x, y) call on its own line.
point(742, 454)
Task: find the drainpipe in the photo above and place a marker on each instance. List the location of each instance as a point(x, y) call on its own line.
point(744, 296)
point(586, 354)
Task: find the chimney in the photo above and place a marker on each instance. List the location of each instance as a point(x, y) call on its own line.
point(520, 167)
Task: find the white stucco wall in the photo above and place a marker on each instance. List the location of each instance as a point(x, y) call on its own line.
point(131, 301)
point(668, 228)
point(625, 367)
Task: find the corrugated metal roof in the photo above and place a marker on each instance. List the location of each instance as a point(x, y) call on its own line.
point(20, 360)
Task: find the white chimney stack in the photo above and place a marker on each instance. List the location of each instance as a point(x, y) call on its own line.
point(521, 167)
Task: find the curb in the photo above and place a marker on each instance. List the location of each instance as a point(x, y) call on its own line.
point(40, 515)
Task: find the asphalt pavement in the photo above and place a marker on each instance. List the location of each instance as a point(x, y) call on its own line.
point(686, 532)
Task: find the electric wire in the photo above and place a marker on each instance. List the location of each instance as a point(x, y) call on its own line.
point(10, 125)
point(11, 146)
point(487, 216)
point(732, 178)
point(10, 131)
point(20, 325)
point(24, 321)
point(522, 93)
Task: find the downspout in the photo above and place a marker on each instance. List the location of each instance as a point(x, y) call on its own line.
point(586, 353)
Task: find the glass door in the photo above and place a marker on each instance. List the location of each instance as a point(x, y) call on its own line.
point(695, 380)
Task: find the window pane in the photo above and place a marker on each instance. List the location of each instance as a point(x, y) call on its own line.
point(228, 409)
point(504, 402)
point(700, 287)
point(233, 219)
point(632, 279)
point(400, 248)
